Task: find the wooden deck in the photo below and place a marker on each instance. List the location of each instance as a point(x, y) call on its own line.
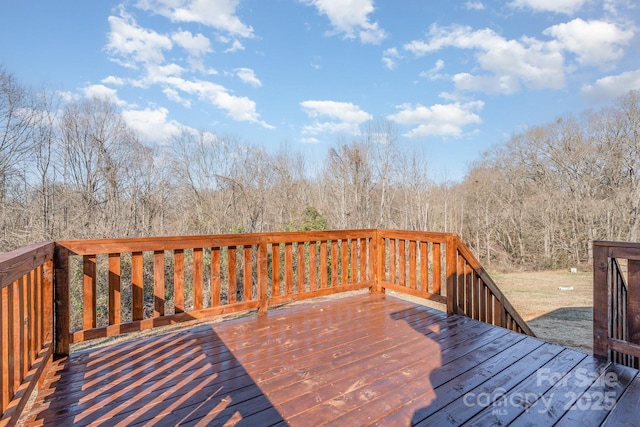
point(363, 359)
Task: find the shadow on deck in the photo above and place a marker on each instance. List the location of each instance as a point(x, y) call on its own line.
point(358, 360)
point(177, 378)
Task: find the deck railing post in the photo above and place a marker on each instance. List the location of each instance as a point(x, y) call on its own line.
point(62, 310)
point(600, 301)
point(452, 274)
point(263, 291)
point(633, 300)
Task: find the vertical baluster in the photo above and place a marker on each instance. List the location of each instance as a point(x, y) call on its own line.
point(215, 277)
point(137, 285)
point(158, 283)
point(324, 264)
point(115, 309)
point(5, 336)
point(178, 280)
point(247, 283)
point(392, 261)
point(288, 268)
point(89, 292)
point(233, 276)
point(412, 264)
point(344, 263)
point(313, 266)
point(198, 278)
point(354, 261)
point(275, 270)
point(334, 263)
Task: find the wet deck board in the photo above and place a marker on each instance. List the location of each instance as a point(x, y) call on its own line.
point(363, 359)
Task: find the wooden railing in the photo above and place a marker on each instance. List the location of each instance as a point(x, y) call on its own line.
point(199, 276)
point(412, 263)
point(26, 324)
point(418, 263)
point(616, 302)
point(472, 292)
point(104, 288)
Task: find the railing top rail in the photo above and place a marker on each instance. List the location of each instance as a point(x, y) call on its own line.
point(84, 247)
point(416, 235)
point(627, 250)
point(619, 244)
point(19, 262)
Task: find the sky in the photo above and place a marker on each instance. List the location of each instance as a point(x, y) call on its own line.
point(454, 77)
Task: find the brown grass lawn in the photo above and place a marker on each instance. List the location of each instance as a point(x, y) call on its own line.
point(559, 316)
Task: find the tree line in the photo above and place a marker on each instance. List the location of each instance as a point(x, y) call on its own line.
point(76, 170)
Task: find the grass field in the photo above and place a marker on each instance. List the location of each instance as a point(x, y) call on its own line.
point(559, 316)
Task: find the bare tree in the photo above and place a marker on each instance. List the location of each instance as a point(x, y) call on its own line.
point(98, 155)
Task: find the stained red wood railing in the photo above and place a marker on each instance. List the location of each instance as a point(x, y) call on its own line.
point(417, 263)
point(472, 292)
point(616, 302)
point(102, 288)
point(166, 280)
point(26, 324)
point(412, 263)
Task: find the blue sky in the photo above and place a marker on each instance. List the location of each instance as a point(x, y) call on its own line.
point(455, 77)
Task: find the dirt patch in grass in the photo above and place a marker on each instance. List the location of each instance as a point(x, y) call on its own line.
point(557, 305)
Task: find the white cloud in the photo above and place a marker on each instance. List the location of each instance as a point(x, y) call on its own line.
point(174, 96)
point(309, 140)
point(617, 7)
point(218, 14)
point(351, 18)
point(504, 84)
point(434, 73)
point(152, 125)
point(68, 97)
point(113, 80)
point(248, 76)
point(239, 108)
point(612, 87)
point(389, 56)
point(236, 45)
point(534, 63)
point(342, 117)
point(103, 92)
point(196, 45)
point(593, 42)
point(474, 5)
point(437, 120)
point(158, 73)
point(133, 44)
point(558, 6)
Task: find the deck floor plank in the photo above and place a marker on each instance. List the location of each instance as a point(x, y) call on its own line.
point(552, 405)
point(357, 360)
point(427, 401)
point(591, 407)
point(463, 408)
point(523, 395)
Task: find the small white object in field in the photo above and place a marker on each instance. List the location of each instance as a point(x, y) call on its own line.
point(566, 288)
point(574, 270)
